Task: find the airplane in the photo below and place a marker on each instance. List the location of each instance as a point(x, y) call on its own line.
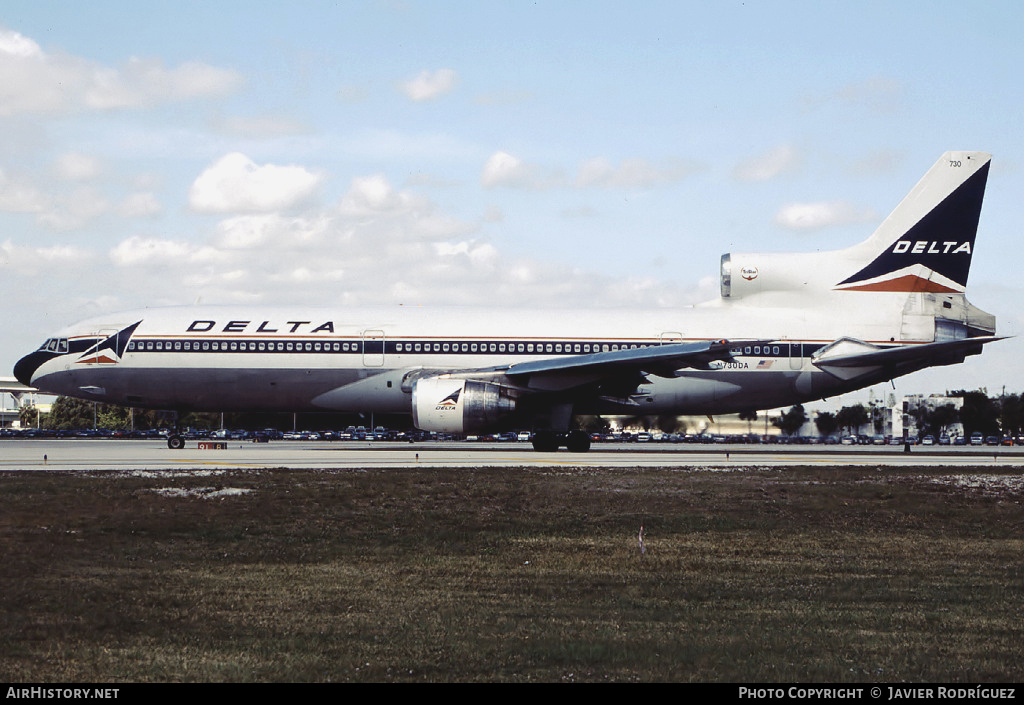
point(786, 329)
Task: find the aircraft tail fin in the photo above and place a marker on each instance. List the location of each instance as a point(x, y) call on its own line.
point(926, 243)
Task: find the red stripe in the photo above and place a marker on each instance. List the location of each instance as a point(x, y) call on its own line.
point(906, 283)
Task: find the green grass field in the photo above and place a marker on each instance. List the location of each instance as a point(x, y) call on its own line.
point(799, 574)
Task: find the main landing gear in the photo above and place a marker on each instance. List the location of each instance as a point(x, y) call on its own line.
point(549, 441)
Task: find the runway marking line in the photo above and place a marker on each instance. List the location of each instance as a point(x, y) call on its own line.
point(233, 465)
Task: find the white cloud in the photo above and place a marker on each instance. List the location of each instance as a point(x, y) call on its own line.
point(821, 214)
point(236, 184)
point(17, 197)
point(429, 85)
point(33, 81)
point(254, 233)
point(14, 44)
point(478, 254)
point(504, 169)
point(373, 195)
point(75, 202)
point(75, 166)
point(140, 205)
point(142, 82)
point(29, 82)
point(30, 261)
point(775, 162)
point(137, 251)
point(377, 211)
point(379, 244)
point(75, 209)
point(62, 210)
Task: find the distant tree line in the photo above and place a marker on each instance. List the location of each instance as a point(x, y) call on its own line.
point(980, 413)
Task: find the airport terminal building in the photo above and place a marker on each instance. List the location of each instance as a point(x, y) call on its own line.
point(13, 396)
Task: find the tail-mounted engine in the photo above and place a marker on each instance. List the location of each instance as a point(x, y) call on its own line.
point(450, 405)
point(746, 274)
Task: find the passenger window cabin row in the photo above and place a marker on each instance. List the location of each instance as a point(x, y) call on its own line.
point(395, 347)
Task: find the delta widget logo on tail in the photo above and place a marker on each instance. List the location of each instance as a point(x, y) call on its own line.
point(934, 254)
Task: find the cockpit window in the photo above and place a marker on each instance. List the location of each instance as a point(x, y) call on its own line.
point(57, 345)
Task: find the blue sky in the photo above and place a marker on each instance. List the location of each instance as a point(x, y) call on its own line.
point(505, 153)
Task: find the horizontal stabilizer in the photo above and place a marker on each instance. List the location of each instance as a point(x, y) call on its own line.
point(847, 358)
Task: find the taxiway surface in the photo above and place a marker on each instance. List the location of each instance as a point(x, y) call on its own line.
point(86, 455)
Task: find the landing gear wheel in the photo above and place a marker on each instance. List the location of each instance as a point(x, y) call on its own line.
point(545, 441)
point(577, 441)
point(175, 442)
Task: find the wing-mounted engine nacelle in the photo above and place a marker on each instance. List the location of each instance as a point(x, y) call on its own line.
point(450, 405)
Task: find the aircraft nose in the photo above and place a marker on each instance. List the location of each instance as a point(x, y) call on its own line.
point(27, 366)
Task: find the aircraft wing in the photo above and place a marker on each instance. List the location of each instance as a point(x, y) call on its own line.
point(847, 358)
point(617, 372)
point(559, 374)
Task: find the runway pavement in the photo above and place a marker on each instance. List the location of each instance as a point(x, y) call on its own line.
point(92, 455)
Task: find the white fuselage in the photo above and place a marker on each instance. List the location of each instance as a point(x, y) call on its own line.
point(299, 359)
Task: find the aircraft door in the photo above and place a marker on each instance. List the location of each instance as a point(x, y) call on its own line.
point(373, 348)
point(101, 357)
point(796, 359)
